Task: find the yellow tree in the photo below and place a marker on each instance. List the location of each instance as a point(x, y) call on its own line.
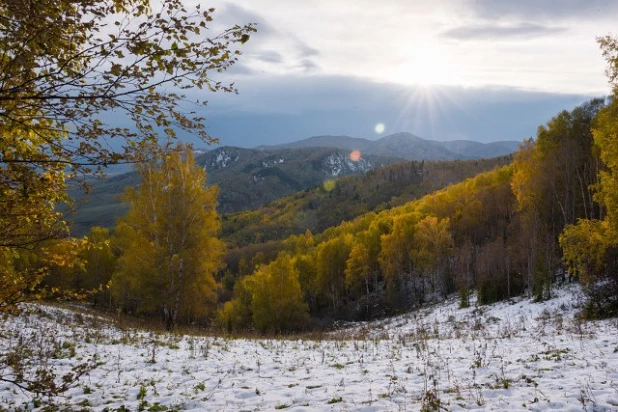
point(277, 301)
point(71, 72)
point(433, 246)
point(332, 256)
point(394, 258)
point(307, 269)
point(169, 246)
point(591, 246)
point(358, 271)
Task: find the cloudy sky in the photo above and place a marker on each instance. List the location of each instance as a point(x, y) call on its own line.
point(482, 70)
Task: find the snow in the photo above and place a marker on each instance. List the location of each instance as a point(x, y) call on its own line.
point(512, 356)
point(337, 164)
point(223, 159)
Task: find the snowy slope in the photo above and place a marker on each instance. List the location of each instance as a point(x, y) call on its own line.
point(510, 356)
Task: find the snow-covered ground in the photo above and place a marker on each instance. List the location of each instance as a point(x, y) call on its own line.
point(509, 356)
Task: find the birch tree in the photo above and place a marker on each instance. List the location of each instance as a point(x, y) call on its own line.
point(169, 246)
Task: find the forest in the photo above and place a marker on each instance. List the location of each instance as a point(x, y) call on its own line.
point(549, 214)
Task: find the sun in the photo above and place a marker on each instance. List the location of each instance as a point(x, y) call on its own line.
point(424, 64)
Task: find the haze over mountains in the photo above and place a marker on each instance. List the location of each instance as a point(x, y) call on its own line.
point(406, 146)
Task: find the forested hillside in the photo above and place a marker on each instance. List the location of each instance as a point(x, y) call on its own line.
point(345, 198)
point(247, 179)
point(497, 233)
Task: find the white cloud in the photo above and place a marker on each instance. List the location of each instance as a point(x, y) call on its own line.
point(533, 44)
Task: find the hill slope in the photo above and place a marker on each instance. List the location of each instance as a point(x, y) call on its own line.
point(321, 207)
point(247, 178)
point(513, 355)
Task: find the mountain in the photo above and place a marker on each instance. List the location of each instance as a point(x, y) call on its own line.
point(407, 146)
point(410, 147)
point(251, 178)
point(340, 142)
point(476, 150)
point(247, 178)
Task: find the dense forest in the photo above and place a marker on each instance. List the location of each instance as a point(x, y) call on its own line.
point(345, 198)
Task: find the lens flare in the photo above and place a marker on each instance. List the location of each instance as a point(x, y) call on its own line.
point(329, 185)
point(355, 155)
point(380, 128)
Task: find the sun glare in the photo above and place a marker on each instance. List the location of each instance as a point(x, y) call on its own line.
point(424, 65)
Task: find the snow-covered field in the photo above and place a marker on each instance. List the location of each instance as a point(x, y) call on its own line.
point(510, 356)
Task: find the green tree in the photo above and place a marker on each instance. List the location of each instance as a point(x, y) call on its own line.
point(168, 238)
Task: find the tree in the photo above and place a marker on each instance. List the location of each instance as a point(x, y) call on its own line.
point(394, 258)
point(92, 272)
point(306, 266)
point(236, 313)
point(169, 248)
point(433, 246)
point(590, 247)
point(553, 181)
point(277, 300)
point(68, 71)
point(358, 271)
point(332, 256)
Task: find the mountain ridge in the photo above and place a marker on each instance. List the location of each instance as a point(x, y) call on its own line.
point(407, 146)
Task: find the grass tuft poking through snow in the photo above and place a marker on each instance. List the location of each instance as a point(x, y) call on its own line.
point(514, 355)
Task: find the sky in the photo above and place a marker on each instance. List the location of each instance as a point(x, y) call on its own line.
point(484, 70)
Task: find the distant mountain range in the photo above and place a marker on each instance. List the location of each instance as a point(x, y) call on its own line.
point(247, 178)
point(406, 146)
point(250, 178)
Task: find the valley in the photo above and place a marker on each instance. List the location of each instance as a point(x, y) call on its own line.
point(251, 178)
point(446, 238)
